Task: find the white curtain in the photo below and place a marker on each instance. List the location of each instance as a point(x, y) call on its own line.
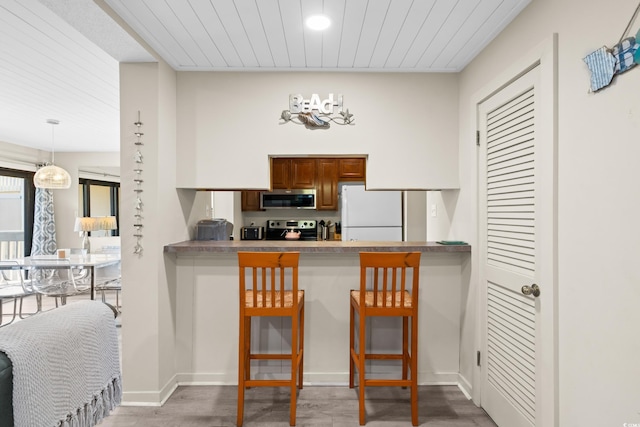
point(44, 225)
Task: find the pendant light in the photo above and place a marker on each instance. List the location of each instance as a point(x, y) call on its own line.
point(51, 176)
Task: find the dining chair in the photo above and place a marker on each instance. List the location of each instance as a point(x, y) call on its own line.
point(81, 274)
point(385, 290)
point(14, 288)
point(109, 279)
point(269, 287)
point(55, 278)
point(106, 279)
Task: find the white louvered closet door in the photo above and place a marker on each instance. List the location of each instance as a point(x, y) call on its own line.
point(509, 237)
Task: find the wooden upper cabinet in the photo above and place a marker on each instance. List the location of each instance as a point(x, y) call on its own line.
point(250, 200)
point(280, 173)
point(303, 173)
point(327, 185)
point(351, 169)
point(292, 173)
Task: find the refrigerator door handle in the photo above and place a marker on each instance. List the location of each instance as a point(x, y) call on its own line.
point(345, 211)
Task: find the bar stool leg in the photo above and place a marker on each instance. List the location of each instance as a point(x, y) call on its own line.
point(351, 343)
point(361, 364)
point(242, 364)
point(301, 370)
point(414, 370)
point(405, 348)
point(294, 371)
point(247, 349)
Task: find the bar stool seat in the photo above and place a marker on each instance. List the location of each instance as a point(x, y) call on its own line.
point(370, 298)
point(277, 302)
point(269, 287)
point(385, 291)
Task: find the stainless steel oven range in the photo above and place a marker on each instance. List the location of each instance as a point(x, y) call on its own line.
point(278, 228)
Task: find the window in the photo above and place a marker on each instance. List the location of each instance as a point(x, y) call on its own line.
point(100, 198)
point(17, 200)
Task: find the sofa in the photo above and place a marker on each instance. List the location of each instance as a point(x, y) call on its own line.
point(6, 391)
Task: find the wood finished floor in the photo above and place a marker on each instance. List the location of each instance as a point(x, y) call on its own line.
point(195, 406)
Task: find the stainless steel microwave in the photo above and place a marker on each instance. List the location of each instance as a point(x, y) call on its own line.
point(288, 199)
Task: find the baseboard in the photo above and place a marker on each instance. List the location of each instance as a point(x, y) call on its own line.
point(207, 379)
point(465, 386)
point(150, 398)
point(437, 378)
point(337, 379)
point(313, 379)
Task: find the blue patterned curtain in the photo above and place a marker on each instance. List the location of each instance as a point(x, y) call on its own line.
point(44, 225)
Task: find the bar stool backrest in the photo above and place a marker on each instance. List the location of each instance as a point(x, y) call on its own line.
point(383, 281)
point(268, 282)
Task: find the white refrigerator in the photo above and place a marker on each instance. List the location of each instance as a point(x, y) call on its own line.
point(370, 215)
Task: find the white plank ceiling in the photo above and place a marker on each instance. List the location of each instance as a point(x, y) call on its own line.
point(50, 70)
point(365, 35)
point(59, 59)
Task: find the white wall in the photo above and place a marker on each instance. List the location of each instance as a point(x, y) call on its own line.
point(66, 201)
point(21, 158)
point(228, 125)
point(440, 206)
point(149, 283)
point(597, 209)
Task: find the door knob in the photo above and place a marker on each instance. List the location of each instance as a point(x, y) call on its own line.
point(531, 290)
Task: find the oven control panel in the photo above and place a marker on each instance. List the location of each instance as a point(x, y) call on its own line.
point(287, 224)
point(277, 228)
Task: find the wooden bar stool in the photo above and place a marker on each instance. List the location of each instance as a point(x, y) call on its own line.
point(263, 292)
point(384, 292)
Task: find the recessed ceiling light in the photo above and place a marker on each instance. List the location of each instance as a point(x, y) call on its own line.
point(318, 22)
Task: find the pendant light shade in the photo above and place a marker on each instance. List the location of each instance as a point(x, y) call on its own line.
point(51, 176)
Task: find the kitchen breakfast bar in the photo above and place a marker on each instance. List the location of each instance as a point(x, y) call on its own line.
point(207, 310)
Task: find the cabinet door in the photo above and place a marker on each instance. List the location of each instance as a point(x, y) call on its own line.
point(327, 185)
point(251, 200)
point(303, 173)
point(351, 169)
point(280, 173)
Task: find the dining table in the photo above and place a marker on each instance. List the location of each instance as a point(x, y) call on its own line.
point(90, 261)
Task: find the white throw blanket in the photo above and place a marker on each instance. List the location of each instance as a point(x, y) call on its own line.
point(66, 368)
